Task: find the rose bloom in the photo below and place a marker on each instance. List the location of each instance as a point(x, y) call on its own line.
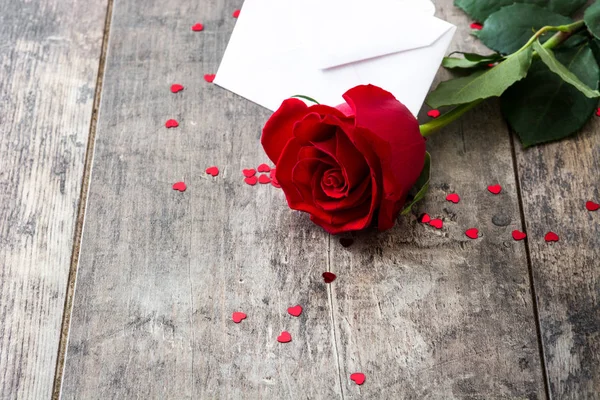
point(348, 166)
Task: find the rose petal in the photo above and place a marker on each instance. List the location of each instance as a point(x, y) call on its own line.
point(279, 128)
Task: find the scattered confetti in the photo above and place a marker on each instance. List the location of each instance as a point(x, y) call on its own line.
point(209, 78)
point(197, 27)
point(434, 113)
point(472, 233)
point(249, 172)
point(251, 180)
point(329, 277)
point(346, 242)
point(425, 218)
point(285, 337)
point(551, 237)
point(591, 206)
point(263, 168)
point(274, 180)
point(171, 123)
point(453, 197)
point(598, 112)
point(176, 88)
point(494, 189)
point(212, 171)
point(237, 317)
point(491, 65)
point(436, 223)
point(275, 183)
point(295, 311)
point(358, 378)
point(518, 235)
point(180, 186)
point(477, 26)
point(236, 14)
point(264, 179)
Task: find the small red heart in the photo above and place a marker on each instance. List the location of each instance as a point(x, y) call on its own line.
point(436, 223)
point(494, 189)
point(598, 112)
point(236, 14)
point(453, 197)
point(295, 311)
point(434, 113)
point(591, 206)
point(285, 337)
point(176, 88)
point(518, 235)
point(275, 183)
point(264, 179)
point(251, 180)
point(358, 378)
point(212, 171)
point(551, 237)
point(328, 277)
point(237, 317)
point(425, 218)
point(197, 27)
point(209, 78)
point(472, 233)
point(171, 123)
point(477, 26)
point(272, 173)
point(249, 172)
point(263, 168)
point(346, 242)
point(181, 186)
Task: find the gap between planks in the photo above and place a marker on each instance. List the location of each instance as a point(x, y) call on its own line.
point(66, 321)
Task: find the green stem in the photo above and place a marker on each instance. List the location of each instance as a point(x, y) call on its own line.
point(563, 33)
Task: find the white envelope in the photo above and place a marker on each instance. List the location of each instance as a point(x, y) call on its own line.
point(322, 48)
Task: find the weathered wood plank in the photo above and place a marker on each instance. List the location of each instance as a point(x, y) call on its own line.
point(556, 181)
point(49, 58)
point(433, 314)
point(160, 271)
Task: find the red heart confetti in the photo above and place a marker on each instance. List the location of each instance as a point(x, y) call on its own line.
point(275, 183)
point(551, 237)
point(212, 171)
point(491, 65)
point(251, 180)
point(264, 179)
point(518, 235)
point(472, 233)
point(263, 168)
point(274, 180)
point(477, 26)
point(209, 78)
point(425, 218)
point(494, 189)
point(236, 14)
point(197, 27)
point(591, 206)
point(295, 311)
point(346, 242)
point(434, 113)
point(176, 88)
point(237, 317)
point(436, 223)
point(329, 277)
point(598, 112)
point(249, 172)
point(285, 337)
point(181, 186)
point(358, 378)
point(453, 197)
point(171, 123)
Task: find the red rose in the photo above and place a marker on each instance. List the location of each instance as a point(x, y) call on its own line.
point(350, 165)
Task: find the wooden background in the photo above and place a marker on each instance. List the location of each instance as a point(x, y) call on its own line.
point(423, 313)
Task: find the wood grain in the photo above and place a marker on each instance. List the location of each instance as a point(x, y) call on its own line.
point(161, 271)
point(49, 57)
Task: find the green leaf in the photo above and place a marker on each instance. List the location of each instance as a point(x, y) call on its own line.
point(479, 10)
point(301, 96)
point(543, 107)
point(470, 60)
point(508, 29)
point(592, 18)
point(555, 66)
point(482, 84)
point(422, 184)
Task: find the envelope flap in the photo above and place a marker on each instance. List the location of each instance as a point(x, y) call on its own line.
point(355, 35)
